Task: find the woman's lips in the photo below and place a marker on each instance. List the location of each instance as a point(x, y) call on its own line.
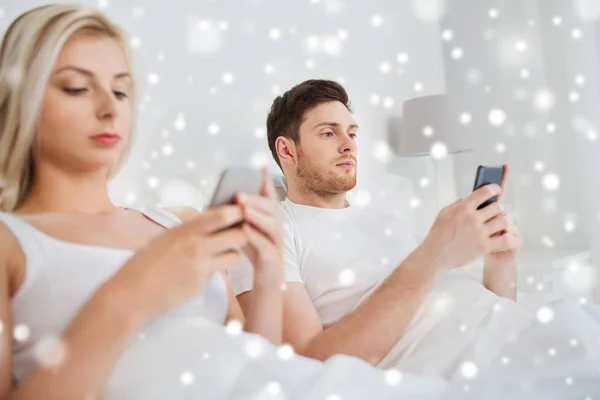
point(107, 139)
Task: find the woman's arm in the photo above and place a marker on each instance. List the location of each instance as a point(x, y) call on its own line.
point(93, 342)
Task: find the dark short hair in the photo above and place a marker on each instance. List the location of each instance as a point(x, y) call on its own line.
point(287, 111)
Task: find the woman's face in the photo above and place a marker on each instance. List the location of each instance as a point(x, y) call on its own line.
point(85, 120)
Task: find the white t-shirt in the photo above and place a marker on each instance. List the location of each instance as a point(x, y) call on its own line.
point(343, 255)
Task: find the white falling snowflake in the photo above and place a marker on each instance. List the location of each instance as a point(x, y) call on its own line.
point(153, 78)
point(543, 100)
point(402, 58)
point(21, 333)
point(285, 352)
point(551, 182)
point(347, 277)
point(376, 20)
point(545, 314)
point(362, 198)
point(273, 388)
point(275, 34)
point(187, 378)
point(254, 348)
point(465, 118)
point(388, 102)
point(393, 377)
point(496, 117)
point(457, 53)
point(179, 122)
point(546, 241)
point(213, 128)
point(234, 327)
point(438, 150)
point(227, 78)
point(521, 46)
point(135, 42)
point(153, 182)
point(469, 370)
point(447, 35)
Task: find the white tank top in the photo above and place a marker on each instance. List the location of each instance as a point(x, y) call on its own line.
point(61, 276)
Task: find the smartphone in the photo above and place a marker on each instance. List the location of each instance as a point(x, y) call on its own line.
point(235, 180)
point(486, 176)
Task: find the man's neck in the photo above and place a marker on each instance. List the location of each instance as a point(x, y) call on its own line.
point(313, 199)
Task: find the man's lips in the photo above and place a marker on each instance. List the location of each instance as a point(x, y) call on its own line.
point(345, 165)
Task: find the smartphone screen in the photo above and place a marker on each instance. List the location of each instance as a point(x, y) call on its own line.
point(487, 176)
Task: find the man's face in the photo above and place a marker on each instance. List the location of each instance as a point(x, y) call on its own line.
point(326, 152)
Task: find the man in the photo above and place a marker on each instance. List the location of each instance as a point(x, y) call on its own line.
point(356, 282)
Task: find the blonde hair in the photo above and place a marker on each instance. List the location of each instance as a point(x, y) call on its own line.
point(28, 52)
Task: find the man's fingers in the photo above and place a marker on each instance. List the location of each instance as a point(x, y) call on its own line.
point(482, 194)
point(268, 190)
point(268, 225)
point(256, 238)
point(505, 242)
point(258, 203)
point(504, 182)
point(498, 224)
point(491, 211)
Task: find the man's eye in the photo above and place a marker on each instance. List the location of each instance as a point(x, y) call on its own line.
point(327, 134)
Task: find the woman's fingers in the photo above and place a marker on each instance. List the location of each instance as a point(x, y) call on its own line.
point(221, 242)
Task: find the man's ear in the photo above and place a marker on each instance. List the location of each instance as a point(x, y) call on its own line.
point(286, 150)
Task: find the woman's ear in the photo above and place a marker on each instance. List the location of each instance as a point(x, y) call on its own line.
point(286, 150)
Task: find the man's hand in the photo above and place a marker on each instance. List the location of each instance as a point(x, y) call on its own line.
point(461, 233)
point(514, 240)
point(499, 273)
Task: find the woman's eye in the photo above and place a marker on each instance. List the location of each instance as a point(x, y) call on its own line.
point(75, 91)
point(120, 95)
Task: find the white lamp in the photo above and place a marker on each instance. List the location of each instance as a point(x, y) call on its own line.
point(436, 123)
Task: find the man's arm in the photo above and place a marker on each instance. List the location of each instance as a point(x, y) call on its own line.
point(501, 279)
point(370, 331)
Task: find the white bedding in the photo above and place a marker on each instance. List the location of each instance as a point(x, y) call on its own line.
point(224, 366)
point(246, 367)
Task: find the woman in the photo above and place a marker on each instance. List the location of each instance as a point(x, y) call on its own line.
point(73, 263)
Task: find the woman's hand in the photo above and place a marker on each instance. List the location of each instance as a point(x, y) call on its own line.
point(176, 266)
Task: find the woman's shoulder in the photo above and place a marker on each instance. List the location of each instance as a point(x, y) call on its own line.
point(11, 257)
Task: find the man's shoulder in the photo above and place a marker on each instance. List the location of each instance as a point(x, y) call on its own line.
point(285, 212)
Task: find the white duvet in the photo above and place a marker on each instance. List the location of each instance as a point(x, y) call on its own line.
point(463, 343)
